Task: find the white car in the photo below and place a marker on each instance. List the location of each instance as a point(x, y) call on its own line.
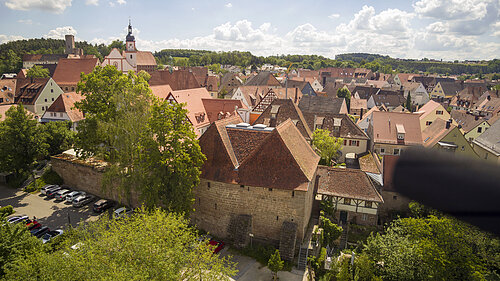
point(122, 212)
point(72, 195)
point(61, 194)
point(17, 218)
point(82, 200)
point(46, 188)
point(51, 234)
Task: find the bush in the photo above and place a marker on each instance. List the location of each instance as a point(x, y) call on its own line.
point(262, 254)
point(49, 177)
point(6, 211)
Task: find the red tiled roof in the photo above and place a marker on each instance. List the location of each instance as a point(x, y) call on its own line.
point(256, 157)
point(221, 108)
point(384, 127)
point(347, 183)
point(66, 103)
point(7, 90)
point(435, 132)
point(68, 70)
point(161, 91)
point(145, 58)
point(178, 79)
point(194, 105)
point(28, 90)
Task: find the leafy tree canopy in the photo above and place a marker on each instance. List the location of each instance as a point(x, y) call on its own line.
point(275, 263)
point(328, 147)
point(150, 145)
point(37, 71)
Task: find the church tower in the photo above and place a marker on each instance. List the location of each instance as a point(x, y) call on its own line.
point(130, 39)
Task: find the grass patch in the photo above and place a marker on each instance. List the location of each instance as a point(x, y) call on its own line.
point(49, 177)
point(262, 253)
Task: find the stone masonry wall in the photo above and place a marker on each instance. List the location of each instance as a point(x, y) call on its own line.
point(217, 202)
point(87, 178)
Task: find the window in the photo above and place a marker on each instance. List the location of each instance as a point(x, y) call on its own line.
point(208, 184)
point(382, 150)
point(216, 206)
point(439, 112)
point(428, 123)
point(293, 193)
point(270, 189)
point(347, 201)
point(401, 136)
point(72, 88)
point(51, 90)
point(60, 114)
point(486, 156)
point(52, 99)
point(368, 204)
point(479, 129)
point(1, 99)
point(364, 217)
point(130, 56)
point(395, 197)
point(345, 142)
point(277, 217)
point(45, 100)
point(242, 186)
point(396, 151)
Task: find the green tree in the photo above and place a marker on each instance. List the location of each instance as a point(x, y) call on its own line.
point(15, 243)
point(346, 94)
point(37, 71)
point(150, 145)
point(275, 264)
point(331, 231)
point(58, 136)
point(151, 245)
point(433, 248)
point(20, 141)
point(328, 147)
point(408, 102)
point(117, 44)
point(10, 61)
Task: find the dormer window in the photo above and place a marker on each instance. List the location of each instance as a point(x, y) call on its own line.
point(400, 129)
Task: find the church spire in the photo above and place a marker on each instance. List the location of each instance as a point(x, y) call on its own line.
point(130, 39)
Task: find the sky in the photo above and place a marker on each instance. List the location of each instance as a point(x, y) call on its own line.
point(438, 29)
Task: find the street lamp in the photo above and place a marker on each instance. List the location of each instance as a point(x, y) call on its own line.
point(251, 236)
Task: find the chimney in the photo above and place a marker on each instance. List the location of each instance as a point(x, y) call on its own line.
point(448, 124)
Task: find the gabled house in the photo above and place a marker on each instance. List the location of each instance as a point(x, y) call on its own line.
point(116, 59)
point(488, 105)
point(358, 107)
point(417, 92)
point(364, 121)
point(392, 132)
point(250, 96)
point(264, 78)
point(304, 86)
point(355, 199)
point(401, 78)
point(279, 111)
point(67, 74)
point(293, 94)
point(446, 90)
point(246, 188)
point(387, 100)
point(63, 109)
point(340, 126)
point(161, 91)
point(323, 105)
point(431, 111)
point(445, 136)
point(467, 98)
point(230, 81)
point(37, 94)
point(177, 79)
point(471, 126)
point(194, 105)
point(487, 145)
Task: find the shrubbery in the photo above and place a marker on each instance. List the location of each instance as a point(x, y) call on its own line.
point(6, 211)
point(49, 177)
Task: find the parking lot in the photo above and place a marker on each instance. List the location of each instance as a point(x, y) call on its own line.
point(48, 212)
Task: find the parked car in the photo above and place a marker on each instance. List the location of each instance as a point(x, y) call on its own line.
point(46, 187)
point(52, 192)
point(33, 224)
point(217, 245)
point(122, 212)
point(51, 234)
point(39, 232)
point(102, 205)
point(60, 195)
point(72, 195)
point(17, 218)
point(82, 200)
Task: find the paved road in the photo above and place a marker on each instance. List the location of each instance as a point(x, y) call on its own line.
point(48, 212)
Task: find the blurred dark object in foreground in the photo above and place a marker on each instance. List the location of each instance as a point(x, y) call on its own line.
point(465, 188)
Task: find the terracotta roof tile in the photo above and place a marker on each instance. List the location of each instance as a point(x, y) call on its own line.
point(161, 91)
point(66, 103)
point(435, 132)
point(321, 104)
point(178, 79)
point(28, 90)
point(347, 129)
point(221, 108)
point(7, 90)
point(68, 70)
point(145, 58)
point(194, 105)
point(428, 108)
point(264, 78)
point(466, 120)
point(384, 128)
point(347, 183)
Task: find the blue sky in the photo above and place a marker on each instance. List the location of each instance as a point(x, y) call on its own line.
point(441, 29)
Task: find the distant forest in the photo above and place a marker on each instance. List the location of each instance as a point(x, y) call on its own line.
point(11, 59)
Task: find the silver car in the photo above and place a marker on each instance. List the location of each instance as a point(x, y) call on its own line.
point(82, 200)
point(61, 194)
point(46, 188)
point(72, 195)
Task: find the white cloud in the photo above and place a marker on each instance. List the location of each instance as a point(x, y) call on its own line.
point(334, 16)
point(92, 2)
point(496, 28)
point(54, 6)
point(60, 32)
point(437, 27)
point(28, 21)
point(228, 5)
point(7, 38)
point(452, 9)
point(121, 2)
